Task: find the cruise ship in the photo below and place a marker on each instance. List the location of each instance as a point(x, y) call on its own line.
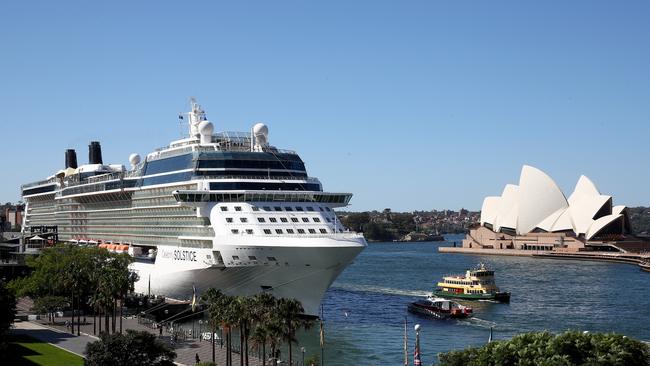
point(220, 210)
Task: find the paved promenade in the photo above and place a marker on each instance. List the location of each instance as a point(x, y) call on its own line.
point(186, 351)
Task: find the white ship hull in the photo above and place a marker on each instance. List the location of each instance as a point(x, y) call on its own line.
point(300, 272)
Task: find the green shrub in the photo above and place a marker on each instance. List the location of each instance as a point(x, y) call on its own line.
point(566, 349)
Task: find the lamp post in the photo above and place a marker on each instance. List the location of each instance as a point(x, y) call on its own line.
point(200, 330)
point(416, 354)
point(302, 349)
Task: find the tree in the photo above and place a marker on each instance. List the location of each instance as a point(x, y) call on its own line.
point(49, 305)
point(134, 348)
point(289, 313)
point(569, 348)
point(7, 310)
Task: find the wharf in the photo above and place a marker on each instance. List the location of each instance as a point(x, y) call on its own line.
point(630, 258)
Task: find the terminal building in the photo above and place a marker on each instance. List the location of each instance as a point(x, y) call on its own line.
point(536, 215)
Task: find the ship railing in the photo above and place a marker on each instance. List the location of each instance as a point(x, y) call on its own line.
point(40, 182)
point(264, 177)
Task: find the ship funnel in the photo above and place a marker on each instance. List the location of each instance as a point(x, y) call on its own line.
point(70, 159)
point(94, 153)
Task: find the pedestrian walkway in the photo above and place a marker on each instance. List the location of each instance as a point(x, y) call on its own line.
point(186, 351)
point(67, 341)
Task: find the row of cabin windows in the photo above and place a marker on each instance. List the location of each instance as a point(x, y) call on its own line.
point(280, 231)
point(273, 219)
point(254, 258)
point(279, 208)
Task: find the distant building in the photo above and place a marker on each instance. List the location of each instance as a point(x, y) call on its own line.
point(535, 215)
point(13, 217)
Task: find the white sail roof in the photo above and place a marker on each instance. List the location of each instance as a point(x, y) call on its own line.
point(537, 202)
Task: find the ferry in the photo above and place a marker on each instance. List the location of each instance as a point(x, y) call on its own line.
point(440, 308)
point(476, 284)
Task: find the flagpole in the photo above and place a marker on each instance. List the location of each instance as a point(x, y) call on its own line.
point(322, 338)
point(406, 356)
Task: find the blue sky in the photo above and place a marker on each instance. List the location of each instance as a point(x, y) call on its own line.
point(406, 104)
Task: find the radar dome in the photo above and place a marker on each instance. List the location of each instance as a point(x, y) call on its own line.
point(205, 129)
point(261, 133)
point(134, 159)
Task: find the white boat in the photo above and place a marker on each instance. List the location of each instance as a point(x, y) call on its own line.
point(224, 210)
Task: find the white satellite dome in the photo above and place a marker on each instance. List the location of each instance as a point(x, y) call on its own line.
point(261, 133)
point(205, 130)
point(134, 159)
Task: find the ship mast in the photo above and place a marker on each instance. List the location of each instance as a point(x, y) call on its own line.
point(194, 117)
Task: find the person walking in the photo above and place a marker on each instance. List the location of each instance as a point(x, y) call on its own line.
point(197, 358)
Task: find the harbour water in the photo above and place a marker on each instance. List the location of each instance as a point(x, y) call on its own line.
point(365, 307)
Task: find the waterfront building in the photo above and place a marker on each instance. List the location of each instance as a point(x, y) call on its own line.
point(536, 215)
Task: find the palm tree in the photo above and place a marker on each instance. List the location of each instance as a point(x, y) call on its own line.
point(261, 313)
point(290, 313)
point(220, 310)
point(259, 338)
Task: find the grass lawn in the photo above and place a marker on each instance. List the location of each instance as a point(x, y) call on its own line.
point(24, 350)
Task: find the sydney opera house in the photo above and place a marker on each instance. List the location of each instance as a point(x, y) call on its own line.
point(536, 215)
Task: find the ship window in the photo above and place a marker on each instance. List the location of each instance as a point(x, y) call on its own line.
point(289, 231)
point(323, 231)
point(312, 231)
point(237, 208)
point(267, 208)
point(261, 219)
point(273, 219)
point(249, 231)
point(229, 219)
point(278, 231)
point(234, 231)
point(316, 219)
point(327, 209)
point(294, 219)
point(284, 219)
point(278, 208)
point(235, 257)
point(328, 219)
point(255, 208)
point(252, 258)
point(309, 208)
point(305, 219)
point(243, 219)
point(301, 231)
point(224, 208)
point(271, 258)
point(267, 231)
point(298, 208)
point(288, 208)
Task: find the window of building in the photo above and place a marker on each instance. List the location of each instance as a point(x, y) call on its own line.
point(234, 231)
point(289, 231)
point(224, 208)
point(278, 231)
point(249, 231)
point(294, 219)
point(261, 219)
point(278, 208)
point(298, 208)
point(273, 219)
point(309, 208)
point(267, 231)
point(301, 231)
point(312, 231)
point(243, 219)
point(229, 219)
point(316, 219)
point(235, 257)
point(305, 219)
point(252, 258)
point(237, 208)
point(284, 219)
point(323, 231)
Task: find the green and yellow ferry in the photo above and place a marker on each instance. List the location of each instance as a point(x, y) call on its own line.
point(476, 284)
